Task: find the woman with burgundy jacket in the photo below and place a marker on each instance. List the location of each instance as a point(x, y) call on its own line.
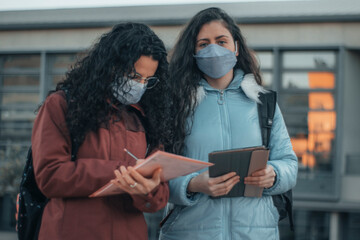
point(116, 97)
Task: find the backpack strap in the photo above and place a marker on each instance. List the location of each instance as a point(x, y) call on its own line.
point(266, 111)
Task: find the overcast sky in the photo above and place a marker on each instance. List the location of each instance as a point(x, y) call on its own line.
point(54, 4)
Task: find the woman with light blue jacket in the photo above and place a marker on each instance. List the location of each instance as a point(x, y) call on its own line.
point(216, 84)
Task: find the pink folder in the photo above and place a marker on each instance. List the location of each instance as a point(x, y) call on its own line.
point(172, 166)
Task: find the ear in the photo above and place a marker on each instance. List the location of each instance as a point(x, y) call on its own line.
point(237, 48)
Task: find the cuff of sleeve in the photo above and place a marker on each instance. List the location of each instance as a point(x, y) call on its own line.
point(146, 197)
point(192, 198)
point(145, 201)
point(153, 201)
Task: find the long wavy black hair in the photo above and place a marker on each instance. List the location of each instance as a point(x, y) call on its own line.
point(91, 81)
point(185, 75)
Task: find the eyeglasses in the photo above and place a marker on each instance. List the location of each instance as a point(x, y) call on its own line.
point(150, 82)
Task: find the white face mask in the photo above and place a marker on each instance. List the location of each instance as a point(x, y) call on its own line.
point(131, 93)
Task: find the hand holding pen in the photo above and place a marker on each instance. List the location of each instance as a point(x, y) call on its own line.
point(132, 182)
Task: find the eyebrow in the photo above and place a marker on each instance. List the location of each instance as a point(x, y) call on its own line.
point(136, 73)
point(218, 37)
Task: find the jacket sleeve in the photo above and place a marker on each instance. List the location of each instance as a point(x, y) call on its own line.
point(282, 157)
point(55, 173)
point(178, 187)
point(154, 201)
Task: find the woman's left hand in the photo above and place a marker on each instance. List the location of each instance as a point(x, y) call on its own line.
point(132, 182)
point(262, 178)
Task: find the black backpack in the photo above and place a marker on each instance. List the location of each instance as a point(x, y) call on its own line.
point(31, 199)
point(283, 202)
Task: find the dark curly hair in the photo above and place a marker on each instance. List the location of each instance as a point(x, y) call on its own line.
point(90, 83)
point(185, 75)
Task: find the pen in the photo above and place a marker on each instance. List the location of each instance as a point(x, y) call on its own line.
point(128, 152)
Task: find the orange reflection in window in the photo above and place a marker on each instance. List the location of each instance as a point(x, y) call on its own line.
point(321, 80)
point(321, 124)
point(321, 101)
point(321, 121)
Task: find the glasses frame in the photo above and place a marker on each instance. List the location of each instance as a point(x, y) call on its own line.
point(138, 78)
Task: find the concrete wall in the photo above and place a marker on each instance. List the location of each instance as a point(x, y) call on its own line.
point(304, 34)
point(319, 34)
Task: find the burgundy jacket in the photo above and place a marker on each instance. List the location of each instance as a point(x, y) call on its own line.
point(70, 213)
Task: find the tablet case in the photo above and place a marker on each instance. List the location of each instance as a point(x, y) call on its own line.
point(243, 161)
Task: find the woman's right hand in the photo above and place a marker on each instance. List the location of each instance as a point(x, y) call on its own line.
point(214, 187)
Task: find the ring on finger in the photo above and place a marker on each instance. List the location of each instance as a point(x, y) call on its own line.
point(133, 185)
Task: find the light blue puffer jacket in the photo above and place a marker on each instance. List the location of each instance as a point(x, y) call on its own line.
point(225, 120)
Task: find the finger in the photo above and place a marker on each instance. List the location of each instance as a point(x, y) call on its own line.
point(252, 179)
point(150, 184)
point(228, 189)
point(144, 185)
point(231, 184)
point(269, 174)
point(261, 172)
point(261, 182)
point(222, 178)
point(117, 173)
point(126, 176)
point(136, 175)
point(119, 181)
point(157, 176)
point(225, 187)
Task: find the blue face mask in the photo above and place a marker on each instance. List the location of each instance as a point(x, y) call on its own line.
point(216, 61)
point(131, 92)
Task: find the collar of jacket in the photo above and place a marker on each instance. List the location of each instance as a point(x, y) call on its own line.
point(139, 108)
point(136, 106)
point(246, 82)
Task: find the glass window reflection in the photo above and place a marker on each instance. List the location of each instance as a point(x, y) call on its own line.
point(11, 99)
point(267, 78)
point(309, 111)
point(21, 62)
point(62, 62)
point(297, 100)
point(59, 64)
point(308, 80)
point(56, 79)
point(14, 114)
point(265, 60)
point(309, 59)
point(21, 81)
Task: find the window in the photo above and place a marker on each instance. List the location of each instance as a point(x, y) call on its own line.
point(21, 89)
point(58, 65)
point(266, 63)
point(19, 95)
point(24, 80)
point(307, 99)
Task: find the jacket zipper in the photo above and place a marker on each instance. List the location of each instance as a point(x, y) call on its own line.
point(226, 144)
point(221, 99)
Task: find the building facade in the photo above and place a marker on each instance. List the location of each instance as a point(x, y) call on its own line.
point(309, 52)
